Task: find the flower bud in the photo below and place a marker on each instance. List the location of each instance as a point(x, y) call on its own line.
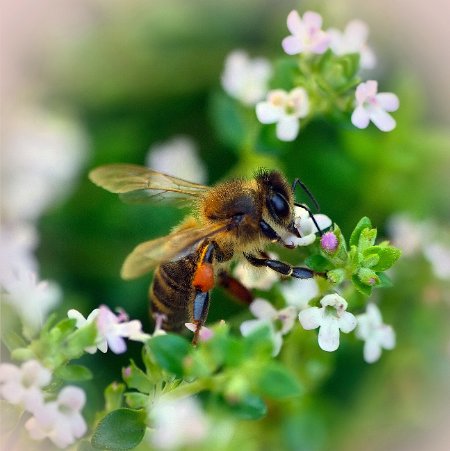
point(329, 242)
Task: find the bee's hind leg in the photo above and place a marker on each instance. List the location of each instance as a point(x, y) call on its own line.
point(200, 312)
point(235, 288)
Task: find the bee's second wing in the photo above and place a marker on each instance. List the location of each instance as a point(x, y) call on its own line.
point(136, 183)
point(146, 256)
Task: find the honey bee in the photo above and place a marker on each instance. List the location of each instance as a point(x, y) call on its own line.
point(233, 219)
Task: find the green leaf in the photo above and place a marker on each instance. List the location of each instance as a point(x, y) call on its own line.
point(318, 263)
point(275, 381)
point(259, 342)
point(285, 73)
point(250, 407)
point(120, 429)
point(114, 396)
point(385, 281)
point(169, 351)
point(74, 345)
point(12, 340)
point(364, 223)
point(366, 290)
point(85, 445)
point(136, 378)
point(387, 256)
point(336, 276)
point(74, 373)
point(367, 239)
point(136, 400)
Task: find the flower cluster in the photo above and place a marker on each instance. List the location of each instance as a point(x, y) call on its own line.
point(321, 83)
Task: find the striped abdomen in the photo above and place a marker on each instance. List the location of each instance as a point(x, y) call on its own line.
point(172, 293)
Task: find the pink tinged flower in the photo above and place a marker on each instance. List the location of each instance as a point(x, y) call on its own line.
point(353, 40)
point(205, 333)
point(177, 423)
point(306, 34)
point(280, 322)
point(374, 106)
point(114, 328)
point(244, 78)
point(375, 334)
point(306, 227)
point(285, 109)
point(23, 386)
point(331, 319)
point(329, 242)
point(299, 292)
point(61, 420)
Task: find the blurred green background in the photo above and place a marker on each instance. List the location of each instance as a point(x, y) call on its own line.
point(139, 72)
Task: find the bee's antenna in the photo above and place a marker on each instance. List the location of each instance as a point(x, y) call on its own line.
point(311, 216)
point(297, 181)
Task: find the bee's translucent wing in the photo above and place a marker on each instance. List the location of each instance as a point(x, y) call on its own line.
point(139, 184)
point(180, 243)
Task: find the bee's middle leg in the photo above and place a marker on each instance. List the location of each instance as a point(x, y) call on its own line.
point(283, 268)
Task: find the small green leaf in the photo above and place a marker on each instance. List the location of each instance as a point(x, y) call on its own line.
point(136, 400)
point(387, 256)
point(114, 396)
point(285, 72)
point(275, 381)
point(361, 287)
point(368, 277)
point(120, 429)
point(318, 263)
point(336, 276)
point(258, 342)
point(250, 407)
point(74, 373)
point(364, 223)
point(366, 239)
point(136, 378)
point(169, 352)
point(385, 281)
point(73, 347)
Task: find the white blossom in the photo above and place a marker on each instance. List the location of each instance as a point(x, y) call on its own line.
point(331, 318)
point(253, 277)
point(299, 292)
point(285, 109)
point(438, 254)
point(307, 35)
point(30, 298)
point(375, 334)
point(178, 157)
point(353, 40)
point(280, 322)
point(81, 321)
point(204, 334)
point(61, 420)
point(374, 106)
point(177, 423)
point(23, 386)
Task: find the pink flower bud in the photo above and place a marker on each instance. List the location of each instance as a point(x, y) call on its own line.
point(329, 242)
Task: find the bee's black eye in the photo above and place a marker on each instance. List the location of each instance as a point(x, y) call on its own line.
point(278, 205)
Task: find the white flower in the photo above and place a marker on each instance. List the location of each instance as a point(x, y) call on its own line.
point(306, 34)
point(179, 157)
point(60, 420)
point(111, 329)
point(252, 277)
point(407, 234)
point(204, 334)
point(285, 109)
point(280, 322)
point(24, 385)
point(331, 318)
point(246, 79)
point(41, 156)
point(375, 334)
point(438, 255)
point(298, 292)
point(31, 299)
point(353, 40)
point(177, 423)
point(306, 227)
point(374, 106)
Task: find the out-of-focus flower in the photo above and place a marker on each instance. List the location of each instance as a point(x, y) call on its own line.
point(438, 255)
point(306, 34)
point(407, 234)
point(24, 385)
point(31, 299)
point(329, 242)
point(306, 227)
point(41, 156)
point(204, 334)
point(298, 292)
point(244, 78)
point(285, 109)
point(177, 423)
point(60, 420)
point(259, 278)
point(353, 40)
point(179, 157)
point(111, 329)
point(374, 106)
point(280, 322)
point(331, 318)
point(375, 334)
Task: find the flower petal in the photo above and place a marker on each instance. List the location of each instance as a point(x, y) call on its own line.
point(329, 335)
point(288, 128)
point(263, 309)
point(294, 22)
point(298, 292)
point(387, 337)
point(247, 327)
point(311, 318)
point(372, 351)
point(347, 322)
point(360, 117)
point(384, 121)
point(388, 101)
point(267, 113)
point(292, 45)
